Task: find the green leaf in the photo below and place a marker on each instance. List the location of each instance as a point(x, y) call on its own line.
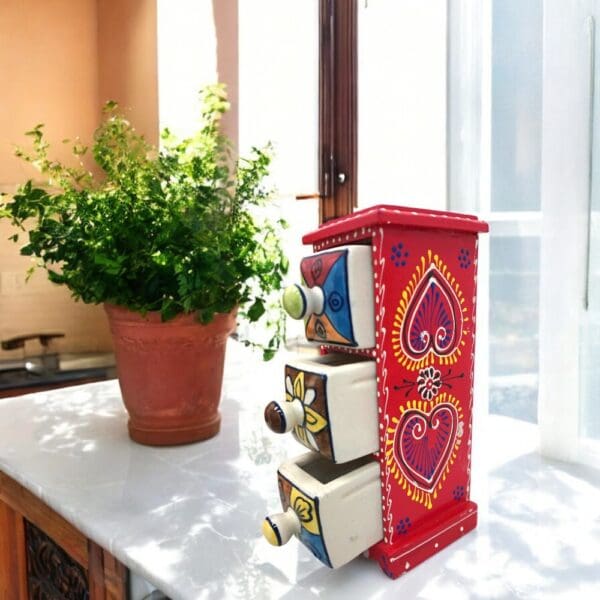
point(111, 266)
point(29, 273)
point(169, 310)
point(55, 277)
point(268, 354)
point(110, 106)
point(257, 310)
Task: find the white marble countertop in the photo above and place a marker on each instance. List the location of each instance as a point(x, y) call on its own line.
point(188, 518)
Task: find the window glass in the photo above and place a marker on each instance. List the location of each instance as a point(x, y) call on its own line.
point(516, 104)
point(514, 322)
point(514, 279)
point(279, 103)
point(590, 334)
point(279, 91)
point(402, 103)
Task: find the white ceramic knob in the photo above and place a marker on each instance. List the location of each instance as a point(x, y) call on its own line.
point(282, 417)
point(278, 529)
point(300, 301)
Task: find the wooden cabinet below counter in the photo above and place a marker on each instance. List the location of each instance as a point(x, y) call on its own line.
point(43, 556)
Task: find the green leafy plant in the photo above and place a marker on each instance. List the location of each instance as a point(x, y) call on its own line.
point(175, 229)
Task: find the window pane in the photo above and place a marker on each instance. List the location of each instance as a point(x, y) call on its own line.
point(590, 338)
point(589, 351)
point(516, 104)
point(514, 299)
point(279, 103)
point(402, 103)
point(279, 88)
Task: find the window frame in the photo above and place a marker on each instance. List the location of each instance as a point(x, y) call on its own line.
point(338, 85)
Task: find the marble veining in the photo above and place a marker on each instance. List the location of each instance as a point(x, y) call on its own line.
point(185, 518)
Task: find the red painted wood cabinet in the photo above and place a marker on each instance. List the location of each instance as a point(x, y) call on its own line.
point(390, 295)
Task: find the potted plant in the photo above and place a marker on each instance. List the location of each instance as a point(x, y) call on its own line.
point(170, 242)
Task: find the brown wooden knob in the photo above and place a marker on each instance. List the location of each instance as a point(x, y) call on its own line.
point(282, 417)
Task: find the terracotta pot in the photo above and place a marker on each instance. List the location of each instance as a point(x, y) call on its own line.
point(170, 374)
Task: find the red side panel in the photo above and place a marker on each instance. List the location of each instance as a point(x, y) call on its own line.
point(425, 292)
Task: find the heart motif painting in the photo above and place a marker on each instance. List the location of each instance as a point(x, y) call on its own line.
point(424, 444)
point(431, 317)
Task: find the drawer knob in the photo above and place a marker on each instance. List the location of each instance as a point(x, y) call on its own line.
point(283, 417)
point(278, 529)
point(299, 300)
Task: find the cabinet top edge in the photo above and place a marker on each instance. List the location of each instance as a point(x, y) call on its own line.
point(384, 215)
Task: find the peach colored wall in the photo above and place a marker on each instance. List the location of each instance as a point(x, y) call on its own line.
point(48, 74)
point(227, 29)
point(127, 60)
point(59, 61)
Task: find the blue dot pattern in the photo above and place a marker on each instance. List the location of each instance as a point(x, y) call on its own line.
point(464, 258)
point(403, 526)
point(459, 492)
point(399, 255)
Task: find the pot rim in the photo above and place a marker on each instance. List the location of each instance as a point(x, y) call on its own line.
point(117, 312)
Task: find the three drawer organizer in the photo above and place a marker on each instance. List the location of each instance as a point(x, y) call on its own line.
point(389, 295)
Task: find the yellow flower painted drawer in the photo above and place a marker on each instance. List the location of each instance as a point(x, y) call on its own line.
point(330, 406)
point(335, 510)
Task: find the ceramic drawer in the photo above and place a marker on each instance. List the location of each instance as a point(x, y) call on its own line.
point(330, 406)
point(335, 510)
point(335, 298)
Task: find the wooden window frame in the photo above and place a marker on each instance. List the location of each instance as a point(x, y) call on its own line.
point(338, 138)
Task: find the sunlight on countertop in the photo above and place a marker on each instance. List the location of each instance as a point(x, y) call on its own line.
point(188, 518)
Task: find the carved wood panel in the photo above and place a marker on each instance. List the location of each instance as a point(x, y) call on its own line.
point(51, 573)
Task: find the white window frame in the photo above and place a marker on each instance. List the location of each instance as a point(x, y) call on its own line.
point(565, 174)
point(570, 94)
